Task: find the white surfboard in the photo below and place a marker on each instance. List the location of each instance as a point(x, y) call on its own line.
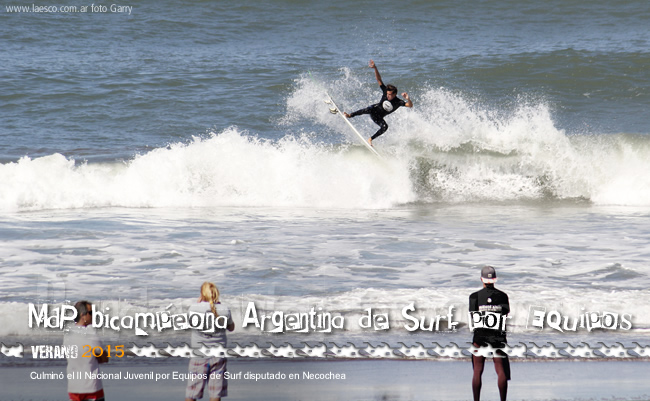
point(338, 111)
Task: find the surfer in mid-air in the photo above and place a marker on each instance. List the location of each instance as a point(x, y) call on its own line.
point(389, 103)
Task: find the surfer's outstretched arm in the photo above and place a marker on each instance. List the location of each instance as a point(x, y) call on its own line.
point(409, 102)
point(372, 65)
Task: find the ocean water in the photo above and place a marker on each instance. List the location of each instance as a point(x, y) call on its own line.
point(143, 153)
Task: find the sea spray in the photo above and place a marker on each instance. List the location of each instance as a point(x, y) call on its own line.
point(460, 149)
point(449, 148)
point(226, 169)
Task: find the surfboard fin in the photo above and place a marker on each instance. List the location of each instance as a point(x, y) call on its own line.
point(333, 110)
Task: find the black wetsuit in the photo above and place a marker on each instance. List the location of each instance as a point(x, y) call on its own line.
point(380, 110)
point(489, 299)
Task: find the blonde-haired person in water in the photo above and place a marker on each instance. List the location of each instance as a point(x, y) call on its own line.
point(212, 368)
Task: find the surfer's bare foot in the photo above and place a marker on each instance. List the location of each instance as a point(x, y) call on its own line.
point(370, 141)
point(346, 115)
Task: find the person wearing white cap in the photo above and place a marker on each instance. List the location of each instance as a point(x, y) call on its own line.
point(489, 299)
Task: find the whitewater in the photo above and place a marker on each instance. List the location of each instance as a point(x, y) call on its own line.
point(449, 149)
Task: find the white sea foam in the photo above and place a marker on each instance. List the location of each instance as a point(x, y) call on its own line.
point(447, 149)
point(461, 150)
point(228, 169)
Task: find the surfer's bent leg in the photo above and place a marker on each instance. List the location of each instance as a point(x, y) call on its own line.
point(383, 126)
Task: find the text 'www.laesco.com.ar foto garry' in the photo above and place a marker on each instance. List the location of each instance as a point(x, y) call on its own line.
point(90, 8)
